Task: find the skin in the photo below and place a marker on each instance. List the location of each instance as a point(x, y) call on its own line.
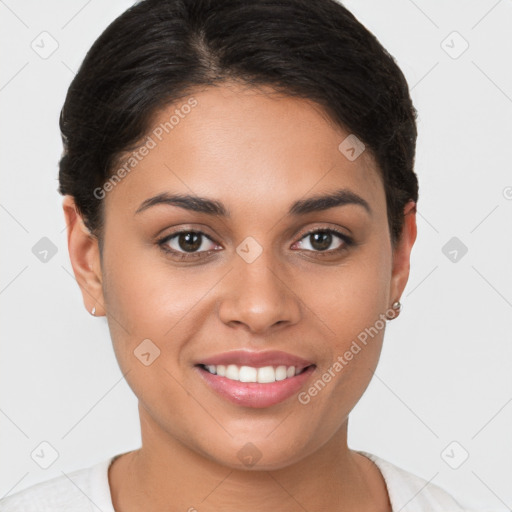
point(257, 153)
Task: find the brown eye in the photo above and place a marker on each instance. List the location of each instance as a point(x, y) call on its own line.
point(320, 240)
point(187, 242)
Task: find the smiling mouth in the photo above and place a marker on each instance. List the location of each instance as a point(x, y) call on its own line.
point(261, 375)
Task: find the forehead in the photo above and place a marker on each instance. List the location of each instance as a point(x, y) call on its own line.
point(245, 145)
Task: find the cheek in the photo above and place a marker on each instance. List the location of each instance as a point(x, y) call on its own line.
point(146, 293)
point(352, 307)
point(351, 297)
point(148, 299)
point(144, 304)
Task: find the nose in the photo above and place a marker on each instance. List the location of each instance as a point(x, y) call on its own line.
point(259, 296)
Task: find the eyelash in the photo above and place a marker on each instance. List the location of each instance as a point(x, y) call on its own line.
point(162, 243)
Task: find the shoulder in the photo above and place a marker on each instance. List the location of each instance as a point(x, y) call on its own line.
point(411, 493)
point(81, 490)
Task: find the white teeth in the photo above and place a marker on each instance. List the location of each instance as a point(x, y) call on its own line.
point(266, 374)
point(281, 373)
point(262, 375)
point(248, 374)
point(232, 372)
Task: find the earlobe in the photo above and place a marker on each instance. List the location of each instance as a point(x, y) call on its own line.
point(85, 258)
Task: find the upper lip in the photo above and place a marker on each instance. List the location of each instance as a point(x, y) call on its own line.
point(256, 359)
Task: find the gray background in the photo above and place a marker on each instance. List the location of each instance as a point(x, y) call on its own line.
point(443, 385)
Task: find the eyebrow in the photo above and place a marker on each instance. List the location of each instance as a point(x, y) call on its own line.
point(215, 208)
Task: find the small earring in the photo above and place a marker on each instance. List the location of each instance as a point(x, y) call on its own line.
point(93, 311)
point(396, 306)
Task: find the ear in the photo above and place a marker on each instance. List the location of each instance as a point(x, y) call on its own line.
point(85, 258)
point(402, 253)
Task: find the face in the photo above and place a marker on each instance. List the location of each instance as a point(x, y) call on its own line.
point(263, 267)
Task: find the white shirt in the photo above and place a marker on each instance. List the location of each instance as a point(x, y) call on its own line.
point(87, 490)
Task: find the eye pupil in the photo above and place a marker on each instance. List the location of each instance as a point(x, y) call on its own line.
point(189, 238)
point(323, 240)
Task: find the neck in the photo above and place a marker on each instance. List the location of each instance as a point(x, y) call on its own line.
point(165, 474)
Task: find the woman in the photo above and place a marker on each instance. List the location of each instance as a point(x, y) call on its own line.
point(240, 201)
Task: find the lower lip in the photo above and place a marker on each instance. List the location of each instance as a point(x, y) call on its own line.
point(254, 394)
